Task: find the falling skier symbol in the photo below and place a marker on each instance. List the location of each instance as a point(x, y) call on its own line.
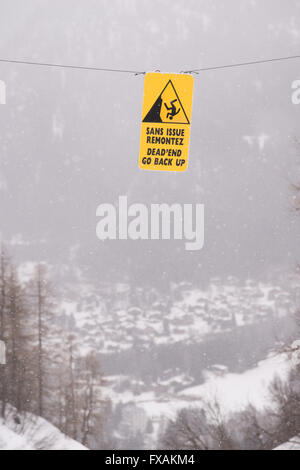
point(173, 110)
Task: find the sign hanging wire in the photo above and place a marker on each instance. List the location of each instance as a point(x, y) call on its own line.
point(137, 72)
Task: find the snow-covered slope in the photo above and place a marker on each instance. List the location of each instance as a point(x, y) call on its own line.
point(234, 392)
point(292, 444)
point(29, 432)
point(10, 440)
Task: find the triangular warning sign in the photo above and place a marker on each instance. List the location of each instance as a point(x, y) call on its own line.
point(167, 108)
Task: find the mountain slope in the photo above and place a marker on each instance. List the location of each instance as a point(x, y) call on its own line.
point(292, 444)
point(10, 440)
point(29, 432)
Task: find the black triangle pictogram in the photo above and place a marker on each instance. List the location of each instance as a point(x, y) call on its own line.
point(154, 115)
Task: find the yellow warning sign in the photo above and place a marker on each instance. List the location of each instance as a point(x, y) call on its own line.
point(166, 121)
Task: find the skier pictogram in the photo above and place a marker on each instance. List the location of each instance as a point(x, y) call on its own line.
point(173, 109)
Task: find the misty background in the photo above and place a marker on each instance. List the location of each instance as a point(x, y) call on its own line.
point(70, 139)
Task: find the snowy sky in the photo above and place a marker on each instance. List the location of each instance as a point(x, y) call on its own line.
point(69, 139)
